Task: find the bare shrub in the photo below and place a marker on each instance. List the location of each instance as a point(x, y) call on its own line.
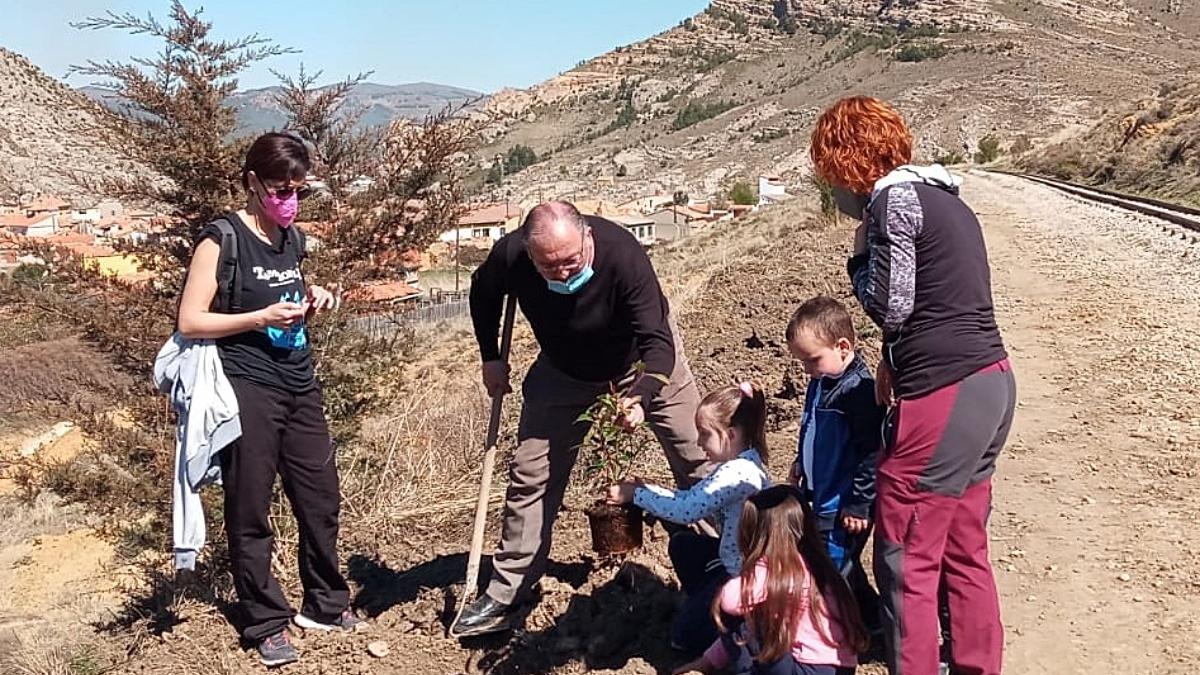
point(65, 372)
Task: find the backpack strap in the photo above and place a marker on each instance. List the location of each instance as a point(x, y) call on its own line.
point(229, 292)
point(297, 239)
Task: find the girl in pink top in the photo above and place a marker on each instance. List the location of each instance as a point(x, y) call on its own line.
point(797, 615)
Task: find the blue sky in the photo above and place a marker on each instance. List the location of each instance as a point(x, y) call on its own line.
point(478, 44)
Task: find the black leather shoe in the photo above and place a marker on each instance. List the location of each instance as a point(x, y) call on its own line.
point(482, 617)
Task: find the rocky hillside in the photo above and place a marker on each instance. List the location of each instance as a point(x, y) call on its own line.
point(47, 136)
point(733, 91)
point(1151, 146)
point(258, 110)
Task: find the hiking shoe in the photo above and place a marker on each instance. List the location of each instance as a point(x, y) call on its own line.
point(277, 650)
point(481, 617)
point(346, 621)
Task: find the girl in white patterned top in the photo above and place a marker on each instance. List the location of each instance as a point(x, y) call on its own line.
point(731, 423)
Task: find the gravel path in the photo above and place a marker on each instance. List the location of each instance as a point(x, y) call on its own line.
point(1096, 491)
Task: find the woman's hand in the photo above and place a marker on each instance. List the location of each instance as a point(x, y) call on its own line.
point(855, 525)
point(860, 239)
point(794, 474)
point(883, 385)
point(320, 299)
point(623, 492)
point(282, 315)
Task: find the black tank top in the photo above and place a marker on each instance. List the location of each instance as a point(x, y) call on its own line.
point(267, 274)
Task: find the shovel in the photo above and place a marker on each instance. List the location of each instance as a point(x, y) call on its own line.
point(489, 466)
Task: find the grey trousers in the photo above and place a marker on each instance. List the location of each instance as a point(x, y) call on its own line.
point(541, 466)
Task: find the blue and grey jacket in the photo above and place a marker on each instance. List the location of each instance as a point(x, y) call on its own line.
point(925, 281)
point(839, 441)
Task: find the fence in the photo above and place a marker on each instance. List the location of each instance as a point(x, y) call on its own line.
point(385, 323)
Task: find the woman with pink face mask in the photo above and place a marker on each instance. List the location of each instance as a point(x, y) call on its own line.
point(259, 325)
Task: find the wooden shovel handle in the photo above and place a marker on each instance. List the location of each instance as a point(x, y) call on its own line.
point(489, 465)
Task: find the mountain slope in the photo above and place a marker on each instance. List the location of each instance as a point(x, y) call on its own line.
point(47, 135)
point(1029, 72)
point(1151, 146)
point(258, 111)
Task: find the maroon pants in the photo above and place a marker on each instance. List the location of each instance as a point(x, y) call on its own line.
point(934, 494)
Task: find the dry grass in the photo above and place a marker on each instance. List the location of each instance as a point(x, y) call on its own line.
point(43, 656)
point(44, 514)
point(1148, 148)
point(418, 464)
point(686, 267)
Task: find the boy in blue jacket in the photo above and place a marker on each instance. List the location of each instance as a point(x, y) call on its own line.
point(839, 439)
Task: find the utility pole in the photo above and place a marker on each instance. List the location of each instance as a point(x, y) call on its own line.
point(457, 237)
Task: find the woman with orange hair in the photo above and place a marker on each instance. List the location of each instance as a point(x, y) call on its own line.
point(920, 270)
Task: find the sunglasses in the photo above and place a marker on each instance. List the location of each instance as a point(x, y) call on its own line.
point(286, 192)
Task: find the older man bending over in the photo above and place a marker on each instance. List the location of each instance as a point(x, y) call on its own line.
point(588, 290)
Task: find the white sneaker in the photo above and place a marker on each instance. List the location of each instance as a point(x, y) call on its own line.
point(346, 621)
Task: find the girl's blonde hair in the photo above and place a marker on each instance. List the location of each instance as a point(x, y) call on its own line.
point(739, 405)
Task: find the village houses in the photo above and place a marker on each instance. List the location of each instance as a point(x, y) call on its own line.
point(85, 231)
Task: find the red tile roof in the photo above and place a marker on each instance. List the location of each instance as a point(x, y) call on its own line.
point(384, 291)
point(48, 203)
point(21, 220)
point(90, 250)
point(315, 228)
point(71, 238)
point(488, 214)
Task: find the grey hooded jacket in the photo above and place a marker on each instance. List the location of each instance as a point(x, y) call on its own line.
point(206, 421)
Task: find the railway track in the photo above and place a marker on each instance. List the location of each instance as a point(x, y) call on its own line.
point(1178, 220)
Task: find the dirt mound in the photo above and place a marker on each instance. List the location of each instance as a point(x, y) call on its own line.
point(57, 577)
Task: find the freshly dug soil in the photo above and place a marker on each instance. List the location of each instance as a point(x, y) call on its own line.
point(616, 528)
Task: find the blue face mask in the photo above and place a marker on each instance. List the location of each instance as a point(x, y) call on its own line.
point(572, 285)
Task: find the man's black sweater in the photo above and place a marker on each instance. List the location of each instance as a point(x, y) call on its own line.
point(595, 335)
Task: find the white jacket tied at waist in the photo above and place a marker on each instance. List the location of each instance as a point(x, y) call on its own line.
point(207, 421)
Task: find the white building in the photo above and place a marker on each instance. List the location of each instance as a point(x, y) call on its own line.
point(360, 184)
point(36, 225)
point(643, 228)
point(89, 216)
point(771, 190)
point(484, 224)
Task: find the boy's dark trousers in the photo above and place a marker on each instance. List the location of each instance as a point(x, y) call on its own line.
point(845, 549)
point(697, 562)
point(283, 434)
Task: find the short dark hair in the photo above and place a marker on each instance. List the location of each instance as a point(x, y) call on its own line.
point(828, 319)
point(276, 156)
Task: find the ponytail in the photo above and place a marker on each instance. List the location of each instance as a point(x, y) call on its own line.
point(743, 406)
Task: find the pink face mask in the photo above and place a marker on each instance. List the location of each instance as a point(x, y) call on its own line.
point(281, 210)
